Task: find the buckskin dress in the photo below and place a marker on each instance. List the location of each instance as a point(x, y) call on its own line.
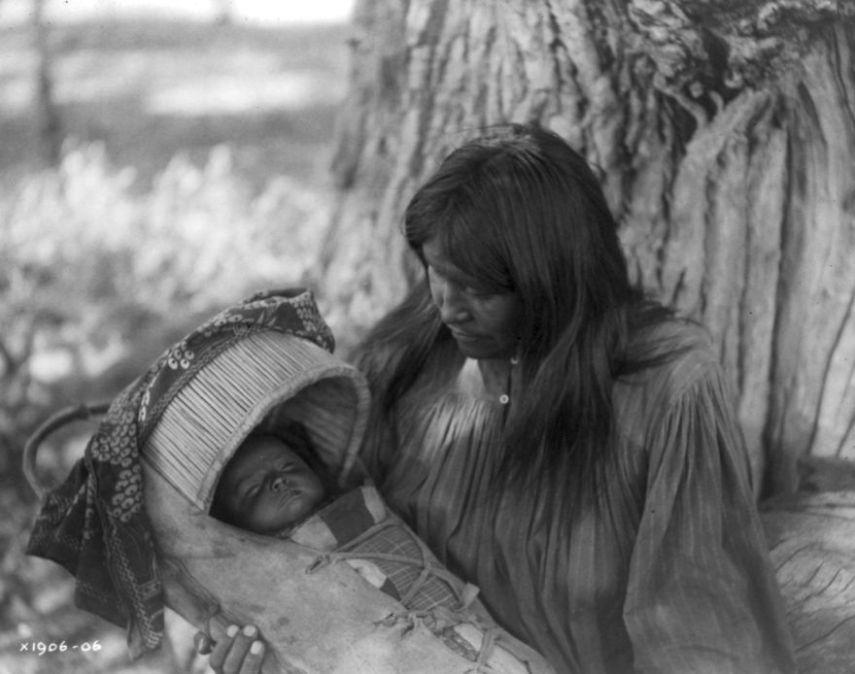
point(671, 576)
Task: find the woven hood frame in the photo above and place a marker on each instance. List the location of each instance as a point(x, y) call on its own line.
point(262, 379)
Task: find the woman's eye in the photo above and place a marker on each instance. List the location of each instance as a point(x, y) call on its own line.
point(477, 293)
point(461, 285)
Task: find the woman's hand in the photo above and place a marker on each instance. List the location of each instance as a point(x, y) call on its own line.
point(233, 650)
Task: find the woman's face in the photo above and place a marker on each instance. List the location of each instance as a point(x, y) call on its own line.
point(267, 487)
point(483, 323)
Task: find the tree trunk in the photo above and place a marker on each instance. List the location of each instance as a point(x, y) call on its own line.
point(48, 124)
point(724, 135)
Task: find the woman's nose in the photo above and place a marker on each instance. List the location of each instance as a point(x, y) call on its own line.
point(450, 302)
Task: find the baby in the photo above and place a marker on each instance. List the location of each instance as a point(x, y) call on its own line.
point(272, 483)
point(276, 485)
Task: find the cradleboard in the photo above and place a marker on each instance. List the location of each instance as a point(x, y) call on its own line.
point(316, 612)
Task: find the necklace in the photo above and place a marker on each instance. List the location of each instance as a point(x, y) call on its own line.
point(488, 379)
point(505, 398)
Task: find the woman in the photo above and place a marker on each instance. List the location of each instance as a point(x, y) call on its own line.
point(558, 440)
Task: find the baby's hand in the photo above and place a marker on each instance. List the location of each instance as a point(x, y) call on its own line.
point(232, 651)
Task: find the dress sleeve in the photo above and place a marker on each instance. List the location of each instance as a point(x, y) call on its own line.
point(701, 595)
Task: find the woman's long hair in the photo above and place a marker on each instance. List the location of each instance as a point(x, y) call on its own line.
point(521, 212)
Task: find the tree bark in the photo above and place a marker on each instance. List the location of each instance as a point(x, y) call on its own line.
point(724, 135)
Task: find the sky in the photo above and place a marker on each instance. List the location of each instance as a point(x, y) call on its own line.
point(265, 12)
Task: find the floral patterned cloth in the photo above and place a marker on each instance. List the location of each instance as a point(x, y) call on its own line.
point(95, 524)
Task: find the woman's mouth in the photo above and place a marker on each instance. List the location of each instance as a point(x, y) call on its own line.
point(462, 336)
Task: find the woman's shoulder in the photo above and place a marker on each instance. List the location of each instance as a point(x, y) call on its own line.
point(673, 347)
point(671, 359)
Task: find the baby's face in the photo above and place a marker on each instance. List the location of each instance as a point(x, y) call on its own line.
point(267, 487)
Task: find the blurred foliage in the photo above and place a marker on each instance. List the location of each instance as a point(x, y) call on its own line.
point(88, 266)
